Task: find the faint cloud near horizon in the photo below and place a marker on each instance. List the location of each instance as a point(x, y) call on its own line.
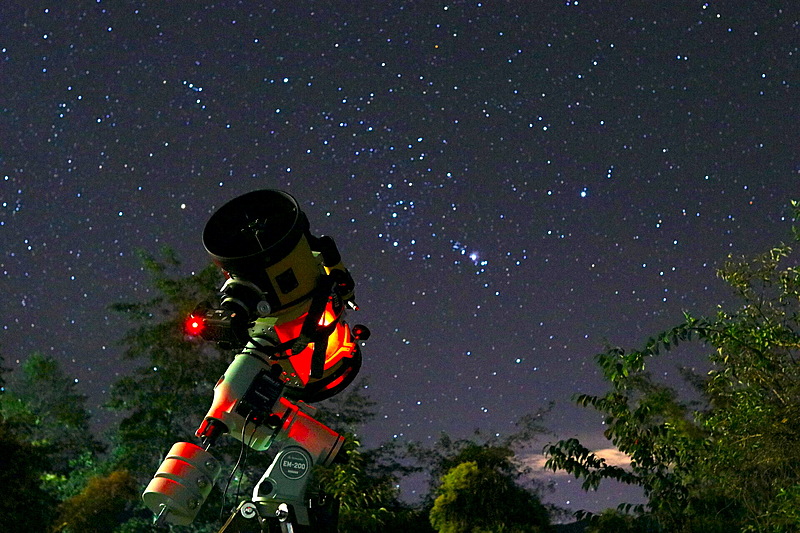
point(536, 462)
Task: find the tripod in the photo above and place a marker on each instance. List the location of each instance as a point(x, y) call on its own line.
point(273, 517)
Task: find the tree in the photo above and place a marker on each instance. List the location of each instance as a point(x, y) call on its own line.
point(44, 406)
point(755, 391)
point(104, 503)
point(482, 496)
point(365, 483)
point(615, 521)
point(495, 458)
point(366, 500)
point(42, 409)
point(732, 463)
point(165, 399)
point(496, 451)
point(26, 507)
point(477, 485)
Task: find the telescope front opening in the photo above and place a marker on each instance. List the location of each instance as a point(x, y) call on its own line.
point(253, 224)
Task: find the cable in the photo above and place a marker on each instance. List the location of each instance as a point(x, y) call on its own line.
point(242, 453)
point(244, 461)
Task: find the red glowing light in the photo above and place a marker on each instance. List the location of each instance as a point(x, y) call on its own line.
point(194, 326)
point(341, 343)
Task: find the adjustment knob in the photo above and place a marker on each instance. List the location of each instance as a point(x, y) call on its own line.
point(361, 332)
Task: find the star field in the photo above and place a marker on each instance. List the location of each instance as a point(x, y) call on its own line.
point(512, 184)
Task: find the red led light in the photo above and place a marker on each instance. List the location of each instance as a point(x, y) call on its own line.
point(194, 326)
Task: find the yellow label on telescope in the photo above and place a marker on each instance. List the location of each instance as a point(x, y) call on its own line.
point(300, 264)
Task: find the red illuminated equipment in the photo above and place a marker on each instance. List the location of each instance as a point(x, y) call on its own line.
point(283, 308)
point(285, 297)
point(342, 357)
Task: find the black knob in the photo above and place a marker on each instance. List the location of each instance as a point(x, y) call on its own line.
point(361, 332)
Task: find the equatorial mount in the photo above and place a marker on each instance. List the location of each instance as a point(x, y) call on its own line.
point(283, 308)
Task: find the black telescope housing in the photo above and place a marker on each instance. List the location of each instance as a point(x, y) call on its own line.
point(254, 231)
point(263, 242)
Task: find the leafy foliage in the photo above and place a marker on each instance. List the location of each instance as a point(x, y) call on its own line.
point(46, 410)
point(493, 451)
point(29, 510)
point(476, 483)
point(476, 497)
point(735, 463)
point(45, 414)
point(365, 500)
point(615, 521)
point(165, 399)
point(104, 503)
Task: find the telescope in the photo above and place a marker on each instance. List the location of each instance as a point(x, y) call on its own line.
point(283, 308)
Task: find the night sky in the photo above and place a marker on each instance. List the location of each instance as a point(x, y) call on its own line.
point(512, 184)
